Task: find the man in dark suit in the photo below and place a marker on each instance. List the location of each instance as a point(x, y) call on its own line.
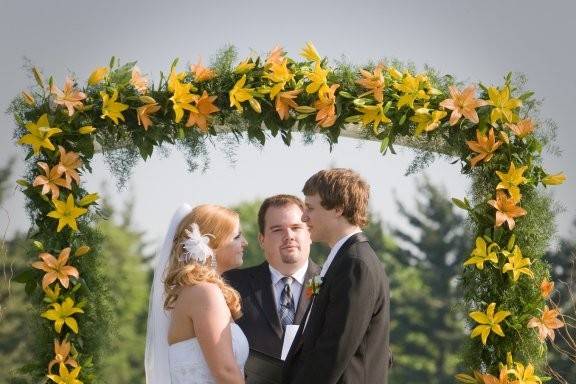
point(273, 293)
point(345, 335)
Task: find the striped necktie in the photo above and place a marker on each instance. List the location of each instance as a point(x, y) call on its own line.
point(286, 303)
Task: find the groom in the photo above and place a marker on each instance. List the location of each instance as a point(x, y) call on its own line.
point(345, 335)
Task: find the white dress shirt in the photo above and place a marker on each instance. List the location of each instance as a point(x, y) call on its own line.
point(334, 251)
point(295, 287)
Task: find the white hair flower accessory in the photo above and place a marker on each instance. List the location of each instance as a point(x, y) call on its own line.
point(196, 246)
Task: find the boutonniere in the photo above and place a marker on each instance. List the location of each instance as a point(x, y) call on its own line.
point(313, 286)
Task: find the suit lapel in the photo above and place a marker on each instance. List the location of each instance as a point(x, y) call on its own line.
point(263, 291)
point(356, 238)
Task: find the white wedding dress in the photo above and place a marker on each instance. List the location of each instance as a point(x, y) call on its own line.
point(187, 363)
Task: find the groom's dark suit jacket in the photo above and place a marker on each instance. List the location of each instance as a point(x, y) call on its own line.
point(346, 339)
point(260, 321)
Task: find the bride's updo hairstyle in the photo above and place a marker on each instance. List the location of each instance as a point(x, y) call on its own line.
point(219, 224)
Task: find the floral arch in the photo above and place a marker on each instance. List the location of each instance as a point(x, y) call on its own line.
point(489, 131)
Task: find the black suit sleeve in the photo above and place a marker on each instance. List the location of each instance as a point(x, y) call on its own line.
point(347, 317)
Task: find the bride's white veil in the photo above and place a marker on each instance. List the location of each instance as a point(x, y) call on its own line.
point(156, 361)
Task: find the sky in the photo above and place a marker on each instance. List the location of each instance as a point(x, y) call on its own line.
point(472, 40)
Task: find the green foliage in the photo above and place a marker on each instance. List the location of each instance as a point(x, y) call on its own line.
point(426, 318)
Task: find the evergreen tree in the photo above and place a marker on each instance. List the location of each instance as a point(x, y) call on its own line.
point(427, 325)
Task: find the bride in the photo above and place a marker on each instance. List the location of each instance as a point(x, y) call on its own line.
point(191, 336)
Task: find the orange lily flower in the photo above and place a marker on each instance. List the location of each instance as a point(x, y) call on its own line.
point(275, 56)
point(68, 96)
point(547, 323)
point(374, 82)
point(143, 113)
point(62, 352)
point(522, 129)
point(485, 146)
point(506, 209)
point(326, 106)
point(205, 106)
point(69, 162)
point(51, 181)
point(139, 82)
point(56, 269)
point(201, 73)
point(546, 288)
point(285, 101)
point(463, 103)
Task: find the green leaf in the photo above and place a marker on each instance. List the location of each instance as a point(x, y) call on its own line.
point(25, 276)
point(384, 145)
point(461, 204)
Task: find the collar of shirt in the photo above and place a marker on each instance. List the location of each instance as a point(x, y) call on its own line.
point(298, 275)
point(334, 251)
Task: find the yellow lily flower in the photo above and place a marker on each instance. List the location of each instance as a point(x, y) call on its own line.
point(82, 250)
point(523, 128)
point(555, 179)
point(50, 182)
point(143, 114)
point(489, 322)
point(483, 253)
point(394, 73)
point(309, 52)
point(245, 66)
point(61, 355)
point(111, 108)
point(175, 79)
point(68, 165)
point(427, 122)
point(139, 82)
point(547, 323)
point(525, 375)
point(56, 269)
point(506, 209)
point(66, 213)
point(182, 100)
point(373, 114)
point(97, 75)
point(205, 106)
point(410, 87)
point(318, 79)
point(463, 103)
point(86, 130)
point(503, 105)
point(69, 97)
point(485, 146)
point(62, 314)
point(511, 180)
point(468, 379)
point(517, 264)
point(39, 136)
point(66, 377)
point(238, 94)
point(52, 294)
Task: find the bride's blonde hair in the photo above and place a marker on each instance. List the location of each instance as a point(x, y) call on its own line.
point(219, 222)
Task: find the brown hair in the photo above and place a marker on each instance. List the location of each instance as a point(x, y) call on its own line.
point(341, 188)
point(220, 223)
point(276, 201)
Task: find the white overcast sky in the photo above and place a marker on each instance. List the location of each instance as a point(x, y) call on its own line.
point(473, 40)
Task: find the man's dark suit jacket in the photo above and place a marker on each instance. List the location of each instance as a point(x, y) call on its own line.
point(260, 321)
point(346, 339)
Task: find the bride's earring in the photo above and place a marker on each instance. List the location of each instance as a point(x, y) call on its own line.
point(213, 263)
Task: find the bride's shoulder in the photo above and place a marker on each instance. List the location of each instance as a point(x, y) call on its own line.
point(202, 293)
